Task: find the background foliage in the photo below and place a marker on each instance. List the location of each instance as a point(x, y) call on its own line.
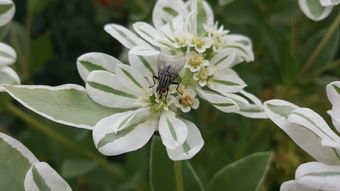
point(49, 35)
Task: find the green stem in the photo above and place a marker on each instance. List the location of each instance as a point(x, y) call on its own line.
point(312, 58)
point(65, 141)
point(178, 175)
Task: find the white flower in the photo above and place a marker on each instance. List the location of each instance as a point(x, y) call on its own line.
point(132, 88)
point(7, 53)
point(195, 62)
point(187, 100)
point(312, 134)
point(201, 44)
point(317, 9)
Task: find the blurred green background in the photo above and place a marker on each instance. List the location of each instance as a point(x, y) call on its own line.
point(49, 35)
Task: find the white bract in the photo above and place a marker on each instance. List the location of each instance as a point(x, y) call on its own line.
point(21, 170)
point(312, 134)
point(317, 9)
point(146, 111)
point(7, 53)
point(187, 30)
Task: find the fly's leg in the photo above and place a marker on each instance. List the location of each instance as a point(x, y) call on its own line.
point(153, 79)
point(175, 83)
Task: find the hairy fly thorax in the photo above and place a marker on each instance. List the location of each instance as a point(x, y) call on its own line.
point(166, 76)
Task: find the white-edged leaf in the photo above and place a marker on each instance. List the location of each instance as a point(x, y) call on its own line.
point(252, 109)
point(92, 61)
point(134, 136)
point(329, 2)
point(15, 160)
point(173, 131)
point(7, 9)
point(166, 10)
point(307, 118)
point(241, 46)
point(205, 16)
point(314, 10)
point(125, 36)
point(145, 60)
point(21, 170)
point(41, 177)
point(335, 115)
point(190, 147)
point(333, 91)
point(105, 89)
point(7, 54)
point(223, 59)
point(132, 79)
point(148, 33)
point(318, 176)
point(8, 76)
point(243, 175)
point(226, 81)
point(67, 104)
point(292, 185)
point(280, 112)
point(220, 102)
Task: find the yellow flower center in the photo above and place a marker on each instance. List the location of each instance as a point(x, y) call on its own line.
point(203, 74)
point(198, 42)
point(195, 60)
point(187, 99)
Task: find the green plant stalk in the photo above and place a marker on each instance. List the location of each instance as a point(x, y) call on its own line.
point(312, 58)
point(64, 141)
point(178, 175)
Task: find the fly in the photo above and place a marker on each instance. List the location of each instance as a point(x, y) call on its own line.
point(166, 76)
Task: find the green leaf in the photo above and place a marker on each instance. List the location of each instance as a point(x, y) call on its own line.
point(15, 161)
point(162, 176)
point(245, 174)
point(67, 104)
point(76, 167)
point(5, 7)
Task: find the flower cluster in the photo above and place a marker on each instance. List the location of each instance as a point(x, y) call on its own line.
point(183, 55)
point(311, 133)
point(187, 30)
point(7, 53)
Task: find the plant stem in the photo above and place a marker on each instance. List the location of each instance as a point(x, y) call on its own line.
point(65, 141)
point(178, 175)
point(312, 58)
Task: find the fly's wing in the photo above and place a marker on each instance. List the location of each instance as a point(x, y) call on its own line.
point(176, 62)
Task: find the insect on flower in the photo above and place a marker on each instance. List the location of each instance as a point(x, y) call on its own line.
point(167, 74)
